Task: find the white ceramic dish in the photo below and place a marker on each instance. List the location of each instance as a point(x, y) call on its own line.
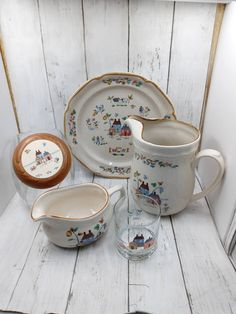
point(77, 215)
point(95, 120)
point(164, 162)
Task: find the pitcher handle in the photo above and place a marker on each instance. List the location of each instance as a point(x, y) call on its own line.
point(214, 154)
point(117, 188)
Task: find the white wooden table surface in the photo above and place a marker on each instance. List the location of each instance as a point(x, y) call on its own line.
point(189, 274)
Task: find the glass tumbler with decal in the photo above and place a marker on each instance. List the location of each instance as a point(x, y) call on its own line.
point(137, 221)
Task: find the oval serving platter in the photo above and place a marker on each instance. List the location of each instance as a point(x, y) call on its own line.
point(95, 120)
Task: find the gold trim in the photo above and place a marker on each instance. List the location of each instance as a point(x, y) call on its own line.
point(3, 56)
point(215, 38)
point(72, 187)
point(97, 78)
point(138, 118)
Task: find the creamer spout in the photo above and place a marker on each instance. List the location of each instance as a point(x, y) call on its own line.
point(38, 212)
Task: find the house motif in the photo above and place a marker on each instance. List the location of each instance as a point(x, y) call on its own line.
point(125, 130)
point(148, 243)
point(139, 240)
point(133, 245)
point(144, 188)
point(47, 156)
point(116, 125)
point(87, 237)
point(42, 157)
point(115, 128)
point(39, 157)
point(155, 197)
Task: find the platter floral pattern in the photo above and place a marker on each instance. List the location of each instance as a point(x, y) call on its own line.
point(123, 81)
point(72, 126)
point(96, 120)
point(153, 162)
point(112, 124)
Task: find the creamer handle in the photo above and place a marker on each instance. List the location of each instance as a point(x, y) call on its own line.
point(117, 188)
point(214, 154)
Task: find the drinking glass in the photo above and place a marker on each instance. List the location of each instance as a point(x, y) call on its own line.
point(137, 221)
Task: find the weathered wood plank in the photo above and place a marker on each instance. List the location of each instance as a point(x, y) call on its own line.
point(100, 284)
point(106, 36)
point(149, 281)
point(17, 235)
point(156, 285)
point(233, 255)
point(20, 30)
point(44, 283)
point(219, 124)
point(42, 278)
point(8, 131)
point(230, 242)
point(209, 276)
point(150, 38)
point(203, 1)
point(192, 34)
point(63, 43)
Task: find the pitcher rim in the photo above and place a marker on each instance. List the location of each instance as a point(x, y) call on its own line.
point(169, 147)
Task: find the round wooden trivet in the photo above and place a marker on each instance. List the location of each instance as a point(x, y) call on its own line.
point(41, 160)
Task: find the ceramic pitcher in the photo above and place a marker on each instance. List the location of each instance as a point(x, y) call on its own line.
point(164, 162)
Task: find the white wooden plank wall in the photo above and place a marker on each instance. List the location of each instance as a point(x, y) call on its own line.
point(217, 131)
point(52, 47)
point(8, 129)
point(150, 38)
point(22, 42)
point(61, 25)
point(192, 28)
point(106, 36)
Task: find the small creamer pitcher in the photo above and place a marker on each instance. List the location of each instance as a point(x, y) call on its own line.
point(164, 162)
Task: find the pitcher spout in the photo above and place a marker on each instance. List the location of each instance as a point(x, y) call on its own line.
point(136, 125)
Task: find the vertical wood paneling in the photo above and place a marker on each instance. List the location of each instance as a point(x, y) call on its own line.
point(16, 242)
point(103, 287)
point(148, 286)
point(220, 128)
point(233, 255)
point(220, 8)
point(150, 43)
point(106, 36)
point(150, 37)
point(8, 131)
point(44, 283)
point(44, 263)
point(191, 43)
point(45, 48)
point(20, 30)
point(62, 32)
point(208, 273)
